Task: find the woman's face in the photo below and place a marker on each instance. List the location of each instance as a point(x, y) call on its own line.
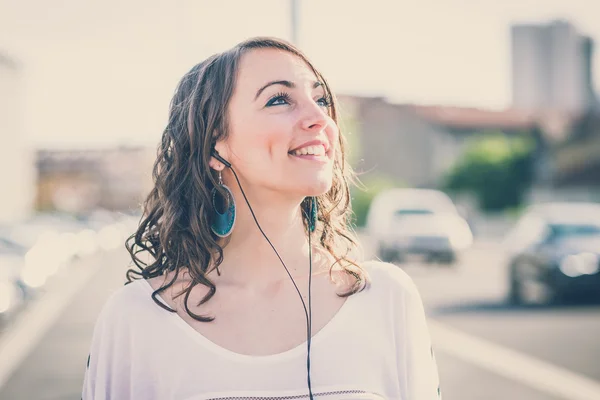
point(281, 138)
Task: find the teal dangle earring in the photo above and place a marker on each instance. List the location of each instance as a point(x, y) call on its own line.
point(312, 214)
point(223, 210)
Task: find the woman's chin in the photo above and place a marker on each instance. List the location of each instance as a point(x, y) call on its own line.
point(317, 188)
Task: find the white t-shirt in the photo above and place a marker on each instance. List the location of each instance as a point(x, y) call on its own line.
point(377, 346)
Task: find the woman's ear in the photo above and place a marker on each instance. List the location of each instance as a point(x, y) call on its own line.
point(221, 150)
point(215, 164)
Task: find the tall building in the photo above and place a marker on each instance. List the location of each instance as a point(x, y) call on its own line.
point(551, 68)
point(17, 172)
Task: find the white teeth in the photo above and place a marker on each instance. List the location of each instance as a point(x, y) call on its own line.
point(312, 150)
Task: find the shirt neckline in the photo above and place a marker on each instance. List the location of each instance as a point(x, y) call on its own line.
point(298, 350)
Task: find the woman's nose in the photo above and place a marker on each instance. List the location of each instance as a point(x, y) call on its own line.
point(314, 117)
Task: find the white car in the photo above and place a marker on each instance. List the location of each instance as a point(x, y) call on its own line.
point(421, 222)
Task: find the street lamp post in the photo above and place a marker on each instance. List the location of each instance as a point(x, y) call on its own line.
point(294, 13)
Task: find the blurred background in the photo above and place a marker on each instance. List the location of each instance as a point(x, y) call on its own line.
point(474, 125)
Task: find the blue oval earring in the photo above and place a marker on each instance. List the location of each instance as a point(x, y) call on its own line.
point(223, 210)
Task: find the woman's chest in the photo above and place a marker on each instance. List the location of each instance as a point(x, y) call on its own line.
point(205, 375)
point(351, 356)
point(265, 326)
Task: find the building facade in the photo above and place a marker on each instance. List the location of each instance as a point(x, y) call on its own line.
point(79, 181)
point(416, 145)
point(551, 68)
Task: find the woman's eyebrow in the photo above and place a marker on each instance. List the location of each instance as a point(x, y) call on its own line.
point(288, 84)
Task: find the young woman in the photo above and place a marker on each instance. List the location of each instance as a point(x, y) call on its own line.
point(245, 287)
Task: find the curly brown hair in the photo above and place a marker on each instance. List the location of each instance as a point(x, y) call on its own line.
point(177, 214)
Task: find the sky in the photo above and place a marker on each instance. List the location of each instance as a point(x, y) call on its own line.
point(101, 73)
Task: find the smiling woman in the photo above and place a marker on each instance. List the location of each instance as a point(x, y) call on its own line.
point(243, 285)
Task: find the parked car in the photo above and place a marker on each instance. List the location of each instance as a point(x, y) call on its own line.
point(554, 253)
point(417, 222)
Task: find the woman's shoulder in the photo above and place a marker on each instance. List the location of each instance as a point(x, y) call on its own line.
point(389, 277)
point(130, 292)
point(126, 301)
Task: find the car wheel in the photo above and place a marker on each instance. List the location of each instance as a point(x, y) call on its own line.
point(525, 289)
point(514, 292)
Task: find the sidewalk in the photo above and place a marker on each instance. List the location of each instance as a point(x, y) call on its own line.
point(55, 366)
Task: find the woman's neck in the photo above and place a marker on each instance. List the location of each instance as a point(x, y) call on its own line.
point(249, 259)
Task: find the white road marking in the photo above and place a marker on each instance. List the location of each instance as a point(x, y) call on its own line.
point(38, 317)
point(509, 363)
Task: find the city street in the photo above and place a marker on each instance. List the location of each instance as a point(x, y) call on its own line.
point(458, 131)
point(485, 349)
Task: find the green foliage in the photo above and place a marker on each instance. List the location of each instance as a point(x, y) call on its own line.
point(497, 169)
point(363, 195)
point(350, 128)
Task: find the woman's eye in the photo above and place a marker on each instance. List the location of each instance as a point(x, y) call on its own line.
point(278, 100)
point(283, 98)
point(324, 101)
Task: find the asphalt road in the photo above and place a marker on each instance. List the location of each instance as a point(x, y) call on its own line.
point(470, 297)
point(482, 364)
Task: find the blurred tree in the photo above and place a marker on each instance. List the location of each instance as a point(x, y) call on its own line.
point(496, 168)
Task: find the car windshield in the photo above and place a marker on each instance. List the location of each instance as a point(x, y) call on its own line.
point(560, 231)
point(412, 211)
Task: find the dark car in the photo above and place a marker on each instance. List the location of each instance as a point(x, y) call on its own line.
point(555, 254)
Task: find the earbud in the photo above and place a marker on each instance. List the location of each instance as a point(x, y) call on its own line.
point(216, 155)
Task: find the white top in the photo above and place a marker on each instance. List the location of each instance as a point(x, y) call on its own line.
point(376, 347)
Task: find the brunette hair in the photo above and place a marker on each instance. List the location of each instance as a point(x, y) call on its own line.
point(174, 231)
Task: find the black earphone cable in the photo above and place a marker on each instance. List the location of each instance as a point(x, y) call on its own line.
point(308, 313)
point(309, 334)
